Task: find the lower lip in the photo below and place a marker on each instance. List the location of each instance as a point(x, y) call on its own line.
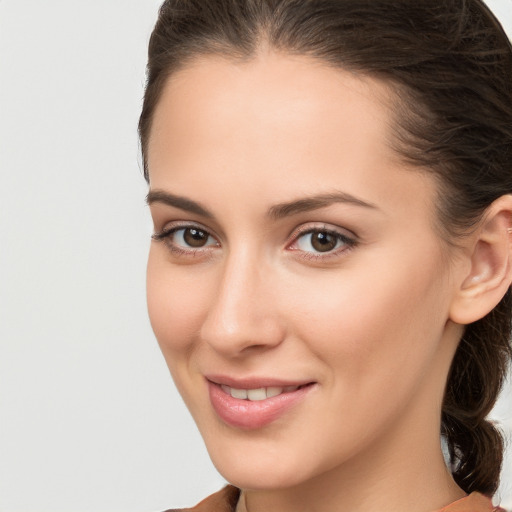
point(249, 414)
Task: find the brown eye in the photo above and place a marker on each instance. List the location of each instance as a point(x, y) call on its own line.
point(194, 237)
point(322, 241)
point(186, 238)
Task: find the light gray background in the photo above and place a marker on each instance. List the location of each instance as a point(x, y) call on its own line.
point(89, 418)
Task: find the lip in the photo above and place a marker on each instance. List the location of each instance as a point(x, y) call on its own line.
point(254, 382)
point(250, 415)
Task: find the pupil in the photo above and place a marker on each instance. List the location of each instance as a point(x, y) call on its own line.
point(323, 242)
point(195, 237)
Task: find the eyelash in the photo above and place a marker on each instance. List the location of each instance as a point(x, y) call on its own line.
point(167, 235)
point(349, 243)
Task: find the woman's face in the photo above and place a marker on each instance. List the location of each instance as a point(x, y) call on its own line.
point(296, 283)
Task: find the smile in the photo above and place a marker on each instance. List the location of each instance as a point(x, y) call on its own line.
point(255, 407)
point(257, 394)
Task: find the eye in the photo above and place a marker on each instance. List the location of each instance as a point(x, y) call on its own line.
point(319, 241)
point(186, 239)
point(316, 242)
point(192, 238)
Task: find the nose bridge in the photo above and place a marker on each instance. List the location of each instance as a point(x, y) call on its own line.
point(241, 314)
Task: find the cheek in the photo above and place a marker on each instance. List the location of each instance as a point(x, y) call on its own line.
point(373, 319)
point(176, 300)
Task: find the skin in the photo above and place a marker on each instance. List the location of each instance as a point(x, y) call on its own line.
point(370, 323)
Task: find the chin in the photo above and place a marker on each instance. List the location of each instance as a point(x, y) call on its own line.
point(249, 476)
point(257, 465)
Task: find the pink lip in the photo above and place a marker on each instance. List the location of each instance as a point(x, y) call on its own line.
point(254, 382)
point(247, 414)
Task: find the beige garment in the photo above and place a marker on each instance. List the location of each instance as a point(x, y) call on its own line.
point(226, 501)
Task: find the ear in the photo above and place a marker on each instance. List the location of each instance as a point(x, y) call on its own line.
point(489, 252)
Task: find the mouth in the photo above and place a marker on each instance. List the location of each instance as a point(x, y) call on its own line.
point(258, 394)
point(253, 405)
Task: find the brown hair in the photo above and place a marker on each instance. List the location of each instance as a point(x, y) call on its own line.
point(450, 64)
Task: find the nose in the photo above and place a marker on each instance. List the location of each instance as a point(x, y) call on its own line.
point(243, 316)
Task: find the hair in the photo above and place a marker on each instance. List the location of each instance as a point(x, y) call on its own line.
point(449, 64)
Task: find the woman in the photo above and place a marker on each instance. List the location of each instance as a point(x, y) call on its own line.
point(330, 184)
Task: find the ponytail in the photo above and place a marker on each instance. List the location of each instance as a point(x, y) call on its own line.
point(477, 374)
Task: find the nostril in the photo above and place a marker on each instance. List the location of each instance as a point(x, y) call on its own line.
point(241, 336)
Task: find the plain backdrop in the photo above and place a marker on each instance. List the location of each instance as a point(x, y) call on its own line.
point(89, 418)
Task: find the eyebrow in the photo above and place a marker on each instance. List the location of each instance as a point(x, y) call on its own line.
point(159, 196)
point(275, 212)
point(307, 204)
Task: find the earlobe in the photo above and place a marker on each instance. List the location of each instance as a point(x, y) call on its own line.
point(490, 265)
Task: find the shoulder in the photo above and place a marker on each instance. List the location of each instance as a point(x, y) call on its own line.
point(224, 500)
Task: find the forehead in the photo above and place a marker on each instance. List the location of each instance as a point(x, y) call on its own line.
point(275, 128)
point(214, 99)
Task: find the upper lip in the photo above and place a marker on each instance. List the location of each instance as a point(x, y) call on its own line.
point(254, 382)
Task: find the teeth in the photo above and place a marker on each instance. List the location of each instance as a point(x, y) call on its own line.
point(274, 392)
point(257, 394)
point(239, 393)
